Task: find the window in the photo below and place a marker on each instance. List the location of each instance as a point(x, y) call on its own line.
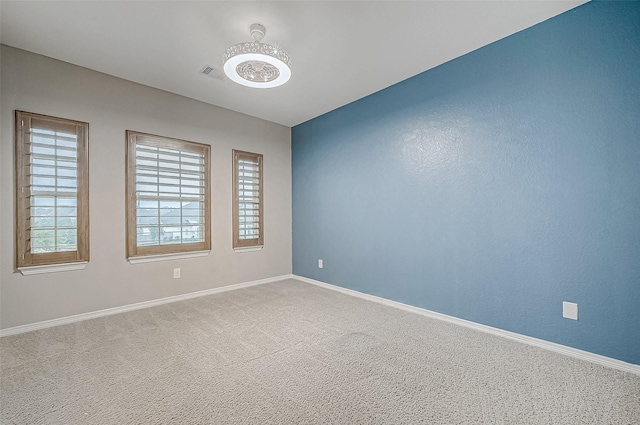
point(248, 227)
point(52, 177)
point(168, 196)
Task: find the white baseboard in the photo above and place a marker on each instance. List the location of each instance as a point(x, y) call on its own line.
point(551, 346)
point(115, 310)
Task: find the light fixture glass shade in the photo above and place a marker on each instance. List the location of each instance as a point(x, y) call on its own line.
point(255, 64)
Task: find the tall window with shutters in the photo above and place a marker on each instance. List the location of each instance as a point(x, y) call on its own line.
point(52, 177)
point(168, 195)
point(248, 217)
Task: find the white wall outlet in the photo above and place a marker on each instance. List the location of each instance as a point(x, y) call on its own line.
point(570, 310)
point(320, 264)
point(176, 273)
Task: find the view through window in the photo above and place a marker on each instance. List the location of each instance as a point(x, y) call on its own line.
point(168, 195)
point(248, 229)
point(52, 178)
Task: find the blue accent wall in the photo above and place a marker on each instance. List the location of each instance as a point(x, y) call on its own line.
point(493, 187)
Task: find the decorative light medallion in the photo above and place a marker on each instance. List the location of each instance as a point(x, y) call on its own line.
point(255, 64)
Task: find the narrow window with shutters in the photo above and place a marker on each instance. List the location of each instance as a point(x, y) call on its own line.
point(52, 179)
point(168, 195)
point(248, 220)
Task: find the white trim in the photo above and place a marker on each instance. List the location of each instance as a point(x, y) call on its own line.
point(166, 257)
point(122, 309)
point(52, 268)
point(551, 346)
point(546, 345)
point(248, 249)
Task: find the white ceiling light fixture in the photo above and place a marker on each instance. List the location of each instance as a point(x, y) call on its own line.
point(255, 64)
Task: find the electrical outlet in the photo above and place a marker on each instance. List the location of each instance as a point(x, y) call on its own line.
point(570, 310)
point(320, 264)
point(176, 273)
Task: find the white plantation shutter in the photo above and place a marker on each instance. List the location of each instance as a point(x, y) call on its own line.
point(53, 190)
point(168, 179)
point(53, 207)
point(170, 196)
point(248, 208)
point(248, 198)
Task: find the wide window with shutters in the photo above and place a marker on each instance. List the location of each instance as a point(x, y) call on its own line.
point(168, 196)
point(248, 222)
point(52, 176)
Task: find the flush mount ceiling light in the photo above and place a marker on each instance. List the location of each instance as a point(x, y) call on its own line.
point(255, 64)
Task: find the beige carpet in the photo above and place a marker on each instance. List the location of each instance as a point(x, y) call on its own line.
point(293, 353)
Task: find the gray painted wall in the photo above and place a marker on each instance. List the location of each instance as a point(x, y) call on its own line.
point(110, 105)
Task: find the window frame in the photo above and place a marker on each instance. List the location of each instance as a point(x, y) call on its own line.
point(244, 244)
point(25, 259)
point(163, 251)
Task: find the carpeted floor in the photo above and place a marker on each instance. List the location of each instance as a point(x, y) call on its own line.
point(293, 353)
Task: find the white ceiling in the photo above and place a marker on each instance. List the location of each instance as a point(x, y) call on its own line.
point(341, 51)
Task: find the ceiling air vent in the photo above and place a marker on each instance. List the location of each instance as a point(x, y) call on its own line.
point(213, 72)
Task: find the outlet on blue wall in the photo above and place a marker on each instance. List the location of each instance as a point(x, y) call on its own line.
point(493, 187)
